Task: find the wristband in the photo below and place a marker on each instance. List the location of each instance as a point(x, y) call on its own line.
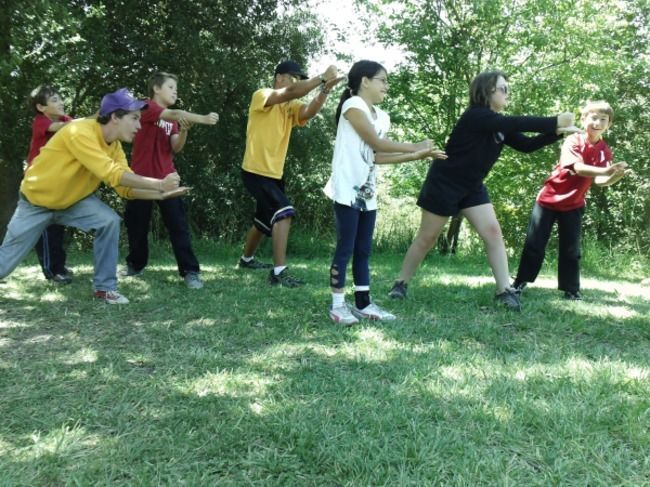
point(322, 79)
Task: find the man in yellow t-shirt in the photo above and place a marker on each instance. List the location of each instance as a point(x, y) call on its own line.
point(272, 114)
point(60, 184)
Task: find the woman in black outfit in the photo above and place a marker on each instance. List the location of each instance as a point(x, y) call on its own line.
point(456, 184)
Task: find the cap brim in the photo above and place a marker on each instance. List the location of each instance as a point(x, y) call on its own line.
point(300, 75)
point(138, 105)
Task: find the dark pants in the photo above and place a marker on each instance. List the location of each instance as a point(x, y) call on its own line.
point(569, 225)
point(51, 254)
point(354, 229)
point(137, 218)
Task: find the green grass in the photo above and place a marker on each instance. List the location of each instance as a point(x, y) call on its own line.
point(243, 384)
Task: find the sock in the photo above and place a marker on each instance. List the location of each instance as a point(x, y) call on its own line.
point(338, 300)
point(361, 299)
point(278, 269)
point(247, 259)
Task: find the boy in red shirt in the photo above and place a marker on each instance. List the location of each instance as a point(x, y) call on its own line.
point(50, 117)
point(584, 158)
point(152, 155)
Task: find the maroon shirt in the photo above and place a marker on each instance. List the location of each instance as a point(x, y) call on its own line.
point(152, 153)
point(565, 190)
point(40, 134)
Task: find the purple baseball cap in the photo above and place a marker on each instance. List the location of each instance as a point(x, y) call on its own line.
point(121, 99)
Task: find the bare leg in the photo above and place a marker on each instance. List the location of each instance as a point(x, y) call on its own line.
point(280, 237)
point(484, 220)
point(253, 239)
point(430, 227)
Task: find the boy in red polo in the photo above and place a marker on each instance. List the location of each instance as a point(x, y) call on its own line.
point(50, 117)
point(152, 156)
point(585, 158)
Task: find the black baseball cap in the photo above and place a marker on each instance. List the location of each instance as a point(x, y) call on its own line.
point(292, 68)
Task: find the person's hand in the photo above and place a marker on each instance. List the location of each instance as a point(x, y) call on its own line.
point(430, 152)
point(331, 83)
point(619, 168)
point(170, 182)
point(211, 118)
point(184, 124)
point(571, 129)
point(566, 119)
point(424, 145)
point(175, 193)
point(330, 73)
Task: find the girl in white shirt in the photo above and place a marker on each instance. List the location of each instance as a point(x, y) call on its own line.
point(360, 144)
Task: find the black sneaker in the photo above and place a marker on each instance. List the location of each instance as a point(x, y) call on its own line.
point(60, 279)
point(398, 291)
point(284, 279)
point(509, 299)
point(518, 287)
point(253, 264)
point(576, 296)
point(67, 271)
point(131, 272)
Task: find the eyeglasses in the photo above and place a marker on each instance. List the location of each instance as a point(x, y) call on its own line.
point(503, 89)
point(384, 81)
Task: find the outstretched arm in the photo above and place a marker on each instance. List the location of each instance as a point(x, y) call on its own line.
point(299, 88)
point(309, 111)
point(366, 131)
point(177, 115)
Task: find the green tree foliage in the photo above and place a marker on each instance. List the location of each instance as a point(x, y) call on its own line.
point(222, 51)
point(558, 54)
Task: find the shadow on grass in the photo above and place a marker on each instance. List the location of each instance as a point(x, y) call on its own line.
point(244, 383)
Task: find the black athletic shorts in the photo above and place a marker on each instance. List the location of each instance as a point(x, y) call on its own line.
point(444, 197)
point(272, 204)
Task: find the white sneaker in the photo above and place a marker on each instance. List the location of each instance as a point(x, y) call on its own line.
point(193, 281)
point(111, 297)
point(342, 314)
point(373, 312)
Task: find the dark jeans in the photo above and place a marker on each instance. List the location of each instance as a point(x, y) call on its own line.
point(354, 229)
point(49, 249)
point(569, 226)
point(137, 217)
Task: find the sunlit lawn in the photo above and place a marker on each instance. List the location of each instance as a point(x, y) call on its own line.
point(243, 384)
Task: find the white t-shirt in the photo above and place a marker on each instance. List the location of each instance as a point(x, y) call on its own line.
point(354, 181)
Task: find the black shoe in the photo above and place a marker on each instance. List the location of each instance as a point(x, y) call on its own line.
point(284, 279)
point(398, 291)
point(131, 272)
point(509, 299)
point(62, 279)
point(576, 296)
point(67, 271)
point(253, 264)
point(518, 287)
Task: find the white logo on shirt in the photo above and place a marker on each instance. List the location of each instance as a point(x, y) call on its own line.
point(166, 126)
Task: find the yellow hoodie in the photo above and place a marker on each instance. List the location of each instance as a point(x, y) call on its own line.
point(72, 165)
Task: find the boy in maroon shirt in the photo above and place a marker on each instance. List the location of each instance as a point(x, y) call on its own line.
point(585, 158)
point(50, 117)
point(152, 155)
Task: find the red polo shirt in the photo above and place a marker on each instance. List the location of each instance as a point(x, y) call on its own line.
point(40, 134)
point(565, 190)
point(152, 153)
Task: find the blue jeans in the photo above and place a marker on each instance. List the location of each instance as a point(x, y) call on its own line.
point(354, 230)
point(89, 215)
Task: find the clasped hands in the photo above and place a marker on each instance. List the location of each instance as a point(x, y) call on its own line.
point(170, 187)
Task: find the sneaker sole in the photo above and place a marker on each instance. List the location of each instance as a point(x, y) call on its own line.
point(336, 319)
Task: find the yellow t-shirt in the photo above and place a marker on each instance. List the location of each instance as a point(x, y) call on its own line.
point(268, 132)
point(72, 165)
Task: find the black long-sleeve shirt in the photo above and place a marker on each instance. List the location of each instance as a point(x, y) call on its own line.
point(477, 139)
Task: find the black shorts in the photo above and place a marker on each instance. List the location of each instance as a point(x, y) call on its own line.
point(272, 204)
point(444, 197)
